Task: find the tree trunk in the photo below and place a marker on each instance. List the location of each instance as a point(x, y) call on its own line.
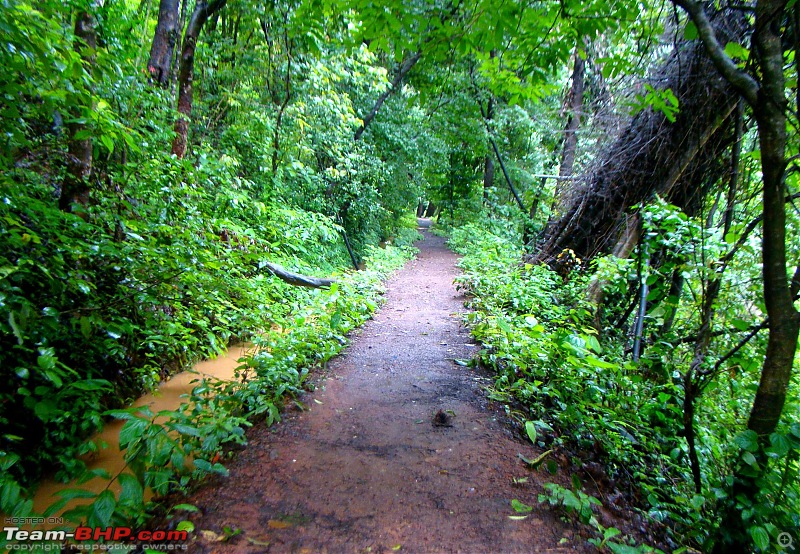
point(575, 103)
point(75, 188)
point(399, 75)
point(162, 50)
point(767, 98)
point(653, 154)
point(488, 176)
point(488, 162)
point(287, 95)
point(200, 15)
point(784, 320)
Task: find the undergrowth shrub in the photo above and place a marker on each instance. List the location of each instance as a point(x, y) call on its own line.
point(166, 451)
point(95, 311)
point(583, 394)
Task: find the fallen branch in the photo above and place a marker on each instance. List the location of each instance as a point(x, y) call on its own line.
point(295, 278)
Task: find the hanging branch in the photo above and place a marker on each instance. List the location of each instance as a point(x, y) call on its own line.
point(500, 159)
point(763, 325)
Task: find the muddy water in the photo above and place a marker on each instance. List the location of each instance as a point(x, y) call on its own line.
point(168, 396)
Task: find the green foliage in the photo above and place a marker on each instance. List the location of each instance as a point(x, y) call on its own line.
point(577, 504)
point(578, 392)
point(166, 451)
point(164, 269)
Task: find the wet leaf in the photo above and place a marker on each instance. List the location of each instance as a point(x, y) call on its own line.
point(211, 536)
point(186, 507)
point(278, 524)
point(187, 526)
point(537, 461)
point(520, 507)
point(530, 429)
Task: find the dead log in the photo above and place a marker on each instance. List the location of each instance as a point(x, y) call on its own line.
point(653, 155)
point(296, 279)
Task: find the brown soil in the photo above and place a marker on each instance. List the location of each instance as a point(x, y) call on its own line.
point(397, 449)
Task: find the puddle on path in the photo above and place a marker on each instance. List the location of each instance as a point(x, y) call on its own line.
point(168, 396)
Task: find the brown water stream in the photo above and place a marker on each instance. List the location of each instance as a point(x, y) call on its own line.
point(168, 396)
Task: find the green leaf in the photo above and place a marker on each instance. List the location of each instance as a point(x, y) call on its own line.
point(760, 537)
point(596, 362)
point(736, 50)
point(185, 525)
point(131, 493)
point(530, 429)
point(86, 327)
point(108, 142)
point(620, 548)
point(132, 430)
point(749, 459)
point(780, 445)
point(71, 494)
point(46, 359)
point(747, 440)
point(8, 460)
point(185, 508)
point(46, 410)
point(185, 429)
point(12, 321)
point(92, 385)
point(9, 494)
point(103, 508)
point(520, 507)
point(690, 31)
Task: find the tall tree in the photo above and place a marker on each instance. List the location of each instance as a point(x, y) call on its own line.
point(488, 160)
point(75, 188)
point(575, 107)
point(202, 11)
point(163, 47)
point(763, 88)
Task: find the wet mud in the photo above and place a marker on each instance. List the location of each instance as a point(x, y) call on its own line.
point(396, 450)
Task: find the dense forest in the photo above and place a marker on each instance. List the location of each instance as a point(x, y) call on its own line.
point(620, 177)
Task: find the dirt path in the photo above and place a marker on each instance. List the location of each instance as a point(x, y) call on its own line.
point(365, 469)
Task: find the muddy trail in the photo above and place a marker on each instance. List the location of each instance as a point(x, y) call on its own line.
point(368, 466)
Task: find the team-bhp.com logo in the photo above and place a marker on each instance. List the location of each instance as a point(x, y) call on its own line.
point(85, 534)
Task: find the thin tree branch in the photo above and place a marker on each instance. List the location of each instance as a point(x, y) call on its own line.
point(741, 81)
point(735, 349)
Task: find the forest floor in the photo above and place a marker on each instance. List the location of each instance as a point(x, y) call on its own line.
point(366, 467)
